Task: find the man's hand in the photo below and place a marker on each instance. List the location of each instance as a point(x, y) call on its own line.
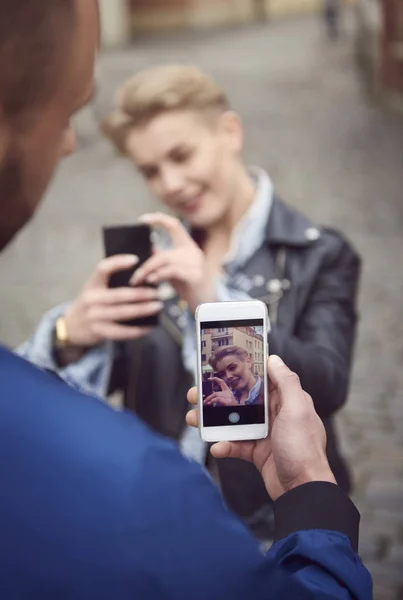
point(295, 451)
point(223, 398)
point(183, 266)
point(93, 317)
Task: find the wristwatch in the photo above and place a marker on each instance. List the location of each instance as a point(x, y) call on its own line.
point(64, 351)
point(60, 334)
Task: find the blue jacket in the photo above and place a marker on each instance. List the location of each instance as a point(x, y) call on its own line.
point(93, 505)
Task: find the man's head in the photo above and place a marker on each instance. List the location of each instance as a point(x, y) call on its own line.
point(47, 54)
point(176, 124)
point(234, 365)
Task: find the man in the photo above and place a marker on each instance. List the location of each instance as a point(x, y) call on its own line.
point(92, 504)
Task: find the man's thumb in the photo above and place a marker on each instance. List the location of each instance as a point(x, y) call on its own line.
point(286, 381)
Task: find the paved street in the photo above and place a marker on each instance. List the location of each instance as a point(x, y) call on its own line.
point(333, 154)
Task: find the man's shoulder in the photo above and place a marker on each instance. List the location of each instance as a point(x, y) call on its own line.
point(78, 438)
point(97, 486)
point(51, 408)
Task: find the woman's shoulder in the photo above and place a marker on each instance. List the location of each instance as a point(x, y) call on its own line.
point(338, 247)
point(291, 227)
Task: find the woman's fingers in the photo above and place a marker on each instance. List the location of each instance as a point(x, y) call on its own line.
point(109, 266)
point(151, 265)
point(167, 265)
point(211, 400)
point(124, 312)
point(172, 225)
point(114, 296)
point(113, 331)
point(224, 387)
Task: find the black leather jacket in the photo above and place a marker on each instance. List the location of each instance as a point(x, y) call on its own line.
point(308, 277)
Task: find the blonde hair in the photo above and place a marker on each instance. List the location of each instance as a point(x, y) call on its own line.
point(224, 351)
point(157, 90)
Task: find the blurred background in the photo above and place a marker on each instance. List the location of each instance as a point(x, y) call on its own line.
point(323, 113)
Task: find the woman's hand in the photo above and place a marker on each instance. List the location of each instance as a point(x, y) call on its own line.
point(94, 315)
point(223, 398)
point(183, 266)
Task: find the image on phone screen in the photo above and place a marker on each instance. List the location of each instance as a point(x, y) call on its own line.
point(232, 372)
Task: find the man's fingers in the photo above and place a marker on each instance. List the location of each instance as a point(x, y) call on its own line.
point(173, 226)
point(108, 266)
point(286, 381)
point(192, 396)
point(222, 450)
point(124, 312)
point(288, 395)
point(113, 331)
point(242, 450)
point(192, 418)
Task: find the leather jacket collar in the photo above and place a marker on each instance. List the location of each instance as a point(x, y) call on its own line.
point(287, 227)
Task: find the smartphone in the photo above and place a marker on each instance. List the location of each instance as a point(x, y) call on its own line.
point(207, 389)
point(130, 239)
point(232, 352)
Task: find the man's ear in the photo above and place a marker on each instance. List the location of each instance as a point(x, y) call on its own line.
point(232, 128)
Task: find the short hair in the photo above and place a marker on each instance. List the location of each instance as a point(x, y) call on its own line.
point(32, 33)
point(224, 351)
point(159, 89)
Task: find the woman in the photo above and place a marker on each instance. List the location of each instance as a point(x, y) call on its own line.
point(233, 240)
point(234, 376)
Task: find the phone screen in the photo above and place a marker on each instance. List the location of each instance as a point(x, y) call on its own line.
point(232, 372)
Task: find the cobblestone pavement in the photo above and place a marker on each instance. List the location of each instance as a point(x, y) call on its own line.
point(332, 153)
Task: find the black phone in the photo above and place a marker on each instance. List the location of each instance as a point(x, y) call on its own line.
point(216, 386)
point(207, 388)
point(130, 239)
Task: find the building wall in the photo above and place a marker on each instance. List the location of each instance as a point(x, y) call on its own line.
point(206, 349)
point(115, 22)
point(154, 15)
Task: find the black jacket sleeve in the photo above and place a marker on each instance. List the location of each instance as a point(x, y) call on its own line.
point(316, 505)
point(321, 349)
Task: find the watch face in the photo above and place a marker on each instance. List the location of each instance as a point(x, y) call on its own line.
point(59, 336)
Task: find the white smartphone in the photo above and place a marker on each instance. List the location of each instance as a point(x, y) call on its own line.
point(232, 370)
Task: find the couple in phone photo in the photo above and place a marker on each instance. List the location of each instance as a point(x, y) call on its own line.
point(234, 376)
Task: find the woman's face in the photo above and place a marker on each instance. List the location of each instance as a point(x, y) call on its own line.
point(190, 161)
point(235, 371)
